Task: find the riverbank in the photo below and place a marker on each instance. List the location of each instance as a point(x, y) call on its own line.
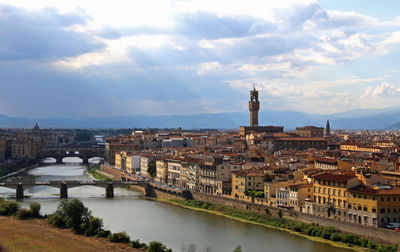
point(7, 170)
point(96, 174)
point(38, 235)
point(290, 226)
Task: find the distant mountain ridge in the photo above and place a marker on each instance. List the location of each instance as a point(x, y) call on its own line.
point(356, 119)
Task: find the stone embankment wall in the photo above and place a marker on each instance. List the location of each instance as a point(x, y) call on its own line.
point(375, 234)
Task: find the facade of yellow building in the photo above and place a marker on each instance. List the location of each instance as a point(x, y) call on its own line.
point(247, 180)
point(373, 206)
point(330, 194)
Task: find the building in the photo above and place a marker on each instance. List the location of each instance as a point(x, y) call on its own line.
point(373, 206)
point(191, 178)
point(132, 163)
point(248, 185)
point(25, 148)
point(330, 194)
point(162, 170)
point(298, 195)
point(325, 163)
point(254, 107)
point(2, 150)
point(310, 131)
point(120, 161)
point(328, 128)
point(174, 172)
point(145, 161)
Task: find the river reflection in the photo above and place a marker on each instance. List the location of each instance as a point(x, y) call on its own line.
point(150, 220)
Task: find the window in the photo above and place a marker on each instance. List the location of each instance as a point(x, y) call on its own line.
point(382, 199)
point(374, 209)
point(388, 198)
point(382, 211)
point(365, 208)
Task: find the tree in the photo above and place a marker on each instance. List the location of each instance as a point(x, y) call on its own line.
point(94, 226)
point(152, 168)
point(156, 246)
point(238, 249)
point(280, 213)
point(34, 209)
point(74, 213)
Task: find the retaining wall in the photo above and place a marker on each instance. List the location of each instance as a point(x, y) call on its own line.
point(373, 233)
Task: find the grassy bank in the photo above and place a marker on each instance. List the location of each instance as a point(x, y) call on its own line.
point(37, 235)
point(313, 232)
point(94, 172)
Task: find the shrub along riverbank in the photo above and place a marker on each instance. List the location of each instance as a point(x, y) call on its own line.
point(327, 233)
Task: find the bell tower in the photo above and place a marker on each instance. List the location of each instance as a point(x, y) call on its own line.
point(254, 106)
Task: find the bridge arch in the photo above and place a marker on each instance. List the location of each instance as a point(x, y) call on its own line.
point(64, 185)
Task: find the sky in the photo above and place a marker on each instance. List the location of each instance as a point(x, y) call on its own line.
point(120, 58)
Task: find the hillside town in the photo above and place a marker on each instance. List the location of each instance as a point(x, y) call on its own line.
point(350, 176)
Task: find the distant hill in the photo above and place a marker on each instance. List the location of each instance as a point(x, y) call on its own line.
point(395, 126)
point(357, 119)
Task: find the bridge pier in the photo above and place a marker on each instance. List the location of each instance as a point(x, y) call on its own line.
point(85, 160)
point(63, 191)
point(20, 192)
point(59, 160)
point(110, 191)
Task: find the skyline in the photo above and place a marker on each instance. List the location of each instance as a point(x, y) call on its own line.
point(127, 58)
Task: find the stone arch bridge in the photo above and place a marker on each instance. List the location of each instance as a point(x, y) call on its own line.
point(64, 185)
point(81, 151)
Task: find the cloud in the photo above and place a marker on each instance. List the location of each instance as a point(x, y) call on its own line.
point(41, 35)
point(384, 90)
point(194, 56)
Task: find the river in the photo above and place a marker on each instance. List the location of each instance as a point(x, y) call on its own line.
point(151, 220)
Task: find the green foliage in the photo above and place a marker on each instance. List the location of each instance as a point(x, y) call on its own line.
point(152, 168)
point(137, 244)
point(120, 237)
point(8, 207)
point(93, 171)
point(56, 221)
point(94, 226)
point(74, 214)
point(156, 246)
point(35, 210)
point(257, 194)
point(238, 249)
point(103, 233)
point(23, 214)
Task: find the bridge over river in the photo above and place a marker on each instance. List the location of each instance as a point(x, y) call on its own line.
point(83, 152)
point(64, 185)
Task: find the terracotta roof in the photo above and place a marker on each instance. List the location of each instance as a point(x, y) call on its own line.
point(326, 160)
point(363, 190)
point(334, 177)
